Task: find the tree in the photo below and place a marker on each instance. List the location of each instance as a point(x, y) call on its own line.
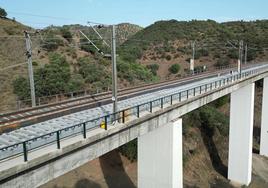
point(51, 42)
point(3, 13)
point(222, 62)
point(153, 68)
point(65, 32)
point(21, 88)
point(51, 79)
point(174, 69)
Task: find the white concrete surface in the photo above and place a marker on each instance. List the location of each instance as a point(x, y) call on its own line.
point(264, 120)
point(241, 135)
point(160, 157)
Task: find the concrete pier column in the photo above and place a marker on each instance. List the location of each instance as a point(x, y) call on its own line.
point(241, 135)
point(264, 120)
point(160, 157)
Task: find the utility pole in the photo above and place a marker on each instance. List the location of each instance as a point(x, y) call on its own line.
point(240, 58)
point(30, 66)
point(114, 70)
point(246, 53)
point(193, 47)
point(193, 57)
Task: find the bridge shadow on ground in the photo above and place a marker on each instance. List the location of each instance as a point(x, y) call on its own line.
point(207, 136)
point(85, 183)
point(114, 172)
point(256, 137)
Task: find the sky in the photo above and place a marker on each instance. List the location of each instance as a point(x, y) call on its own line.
point(41, 13)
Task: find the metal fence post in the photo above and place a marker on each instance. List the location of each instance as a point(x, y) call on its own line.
point(58, 139)
point(84, 130)
point(106, 122)
point(162, 103)
point(171, 99)
point(151, 106)
point(123, 116)
point(138, 111)
point(25, 154)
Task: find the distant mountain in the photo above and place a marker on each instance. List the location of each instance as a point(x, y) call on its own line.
point(123, 31)
point(169, 42)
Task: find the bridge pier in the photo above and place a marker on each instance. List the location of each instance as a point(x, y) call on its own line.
point(160, 157)
point(241, 135)
point(264, 120)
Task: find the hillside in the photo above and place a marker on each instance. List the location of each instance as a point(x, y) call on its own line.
point(168, 42)
point(160, 51)
point(11, 52)
point(63, 62)
point(60, 50)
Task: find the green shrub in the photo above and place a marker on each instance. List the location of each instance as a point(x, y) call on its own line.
point(174, 69)
point(71, 52)
point(52, 42)
point(51, 79)
point(233, 54)
point(65, 32)
point(168, 57)
point(129, 150)
point(35, 63)
point(134, 71)
point(21, 88)
point(76, 83)
point(154, 68)
point(3, 12)
point(252, 54)
point(222, 62)
point(221, 101)
point(203, 52)
point(91, 71)
point(198, 68)
point(211, 119)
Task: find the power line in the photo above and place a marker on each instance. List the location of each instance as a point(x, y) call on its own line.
point(41, 16)
point(57, 18)
point(99, 35)
point(13, 66)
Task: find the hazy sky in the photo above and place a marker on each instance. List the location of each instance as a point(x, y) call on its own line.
point(141, 12)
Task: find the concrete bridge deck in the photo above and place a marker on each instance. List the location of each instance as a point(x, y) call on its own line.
point(76, 150)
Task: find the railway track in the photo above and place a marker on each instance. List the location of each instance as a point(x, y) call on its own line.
point(21, 118)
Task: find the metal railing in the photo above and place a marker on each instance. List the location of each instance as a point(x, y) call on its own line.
point(121, 116)
point(50, 99)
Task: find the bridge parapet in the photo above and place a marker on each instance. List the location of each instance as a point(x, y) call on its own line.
point(132, 123)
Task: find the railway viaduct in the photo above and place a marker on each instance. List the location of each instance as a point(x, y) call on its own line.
point(158, 126)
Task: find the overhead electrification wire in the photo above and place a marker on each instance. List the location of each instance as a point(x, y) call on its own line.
point(13, 66)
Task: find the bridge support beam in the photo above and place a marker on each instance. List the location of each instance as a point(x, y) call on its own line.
point(264, 120)
point(241, 135)
point(160, 157)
